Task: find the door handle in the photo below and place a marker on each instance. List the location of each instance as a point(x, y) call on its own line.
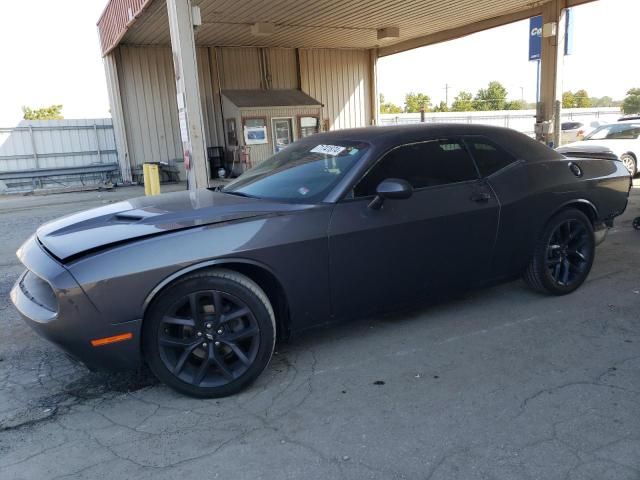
point(481, 197)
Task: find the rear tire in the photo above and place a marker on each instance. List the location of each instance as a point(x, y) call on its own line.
point(563, 255)
point(630, 163)
point(209, 334)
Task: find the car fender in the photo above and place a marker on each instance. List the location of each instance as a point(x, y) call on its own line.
point(219, 262)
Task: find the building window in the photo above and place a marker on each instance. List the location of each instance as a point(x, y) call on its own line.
point(309, 125)
point(255, 130)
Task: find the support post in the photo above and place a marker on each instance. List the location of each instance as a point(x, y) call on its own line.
point(374, 97)
point(549, 107)
point(188, 92)
point(33, 147)
point(117, 114)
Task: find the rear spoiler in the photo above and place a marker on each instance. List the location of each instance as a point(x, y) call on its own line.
point(587, 151)
point(594, 155)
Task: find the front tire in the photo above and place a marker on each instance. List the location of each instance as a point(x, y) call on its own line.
point(209, 334)
point(563, 255)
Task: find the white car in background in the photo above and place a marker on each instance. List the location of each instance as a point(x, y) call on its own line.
point(621, 138)
point(575, 130)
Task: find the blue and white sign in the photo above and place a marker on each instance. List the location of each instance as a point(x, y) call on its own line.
point(535, 37)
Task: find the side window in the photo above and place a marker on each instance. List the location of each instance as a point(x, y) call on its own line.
point(425, 164)
point(489, 157)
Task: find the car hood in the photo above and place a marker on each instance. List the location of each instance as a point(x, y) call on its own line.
point(100, 227)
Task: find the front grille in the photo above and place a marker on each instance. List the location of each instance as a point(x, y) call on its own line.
point(39, 291)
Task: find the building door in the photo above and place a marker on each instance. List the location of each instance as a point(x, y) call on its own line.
point(282, 133)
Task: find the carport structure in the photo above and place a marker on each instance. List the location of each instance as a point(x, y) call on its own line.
point(169, 63)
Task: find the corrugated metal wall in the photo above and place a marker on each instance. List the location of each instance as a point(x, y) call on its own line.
point(337, 78)
point(340, 80)
point(149, 101)
point(283, 67)
point(45, 144)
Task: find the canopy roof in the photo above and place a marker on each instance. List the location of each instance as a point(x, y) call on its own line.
point(316, 23)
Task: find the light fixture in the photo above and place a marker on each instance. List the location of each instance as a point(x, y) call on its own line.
point(388, 32)
point(262, 29)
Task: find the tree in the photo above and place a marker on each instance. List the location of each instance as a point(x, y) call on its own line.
point(602, 101)
point(494, 97)
point(631, 103)
point(53, 112)
point(414, 101)
point(582, 99)
point(515, 105)
point(388, 107)
point(568, 100)
point(441, 107)
point(463, 102)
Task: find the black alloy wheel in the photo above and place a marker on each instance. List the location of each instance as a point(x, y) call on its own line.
point(210, 334)
point(563, 255)
point(568, 252)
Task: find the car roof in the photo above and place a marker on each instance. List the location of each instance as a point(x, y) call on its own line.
point(384, 137)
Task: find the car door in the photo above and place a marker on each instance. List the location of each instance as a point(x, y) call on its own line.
point(438, 240)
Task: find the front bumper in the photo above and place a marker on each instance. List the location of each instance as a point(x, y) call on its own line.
point(71, 321)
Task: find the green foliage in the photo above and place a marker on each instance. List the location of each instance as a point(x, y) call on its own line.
point(414, 101)
point(441, 107)
point(631, 103)
point(582, 99)
point(388, 107)
point(515, 105)
point(568, 100)
point(463, 102)
point(53, 112)
point(602, 101)
point(494, 97)
point(578, 99)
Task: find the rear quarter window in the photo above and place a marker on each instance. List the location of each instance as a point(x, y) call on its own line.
point(489, 157)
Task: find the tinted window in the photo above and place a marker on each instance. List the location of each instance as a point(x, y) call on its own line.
point(616, 131)
point(304, 172)
point(426, 164)
point(489, 157)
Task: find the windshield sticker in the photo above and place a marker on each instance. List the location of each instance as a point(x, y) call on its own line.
point(332, 150)
point(303, 190)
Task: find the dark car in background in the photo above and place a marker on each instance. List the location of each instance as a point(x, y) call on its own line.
point(336, 226)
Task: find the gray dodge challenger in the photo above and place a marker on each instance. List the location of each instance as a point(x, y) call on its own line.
point(199, 285)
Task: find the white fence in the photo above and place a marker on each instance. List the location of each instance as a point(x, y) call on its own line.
point(37, 153)
point(521, 120)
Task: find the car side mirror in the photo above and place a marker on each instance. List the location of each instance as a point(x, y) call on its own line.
point(393, 189)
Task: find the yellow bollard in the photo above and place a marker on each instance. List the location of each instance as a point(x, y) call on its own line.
point(151, 173)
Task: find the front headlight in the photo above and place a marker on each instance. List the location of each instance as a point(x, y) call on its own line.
point(39, 291)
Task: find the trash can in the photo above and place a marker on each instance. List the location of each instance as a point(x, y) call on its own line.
point(215, 155)
point(151, 175)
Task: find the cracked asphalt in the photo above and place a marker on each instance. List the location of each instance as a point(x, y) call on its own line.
point(500, 383)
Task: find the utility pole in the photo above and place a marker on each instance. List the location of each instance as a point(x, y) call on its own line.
point(522, 94)
point(446, 94)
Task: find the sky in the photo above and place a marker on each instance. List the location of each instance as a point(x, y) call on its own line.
point(605, 59)
point(50, 55)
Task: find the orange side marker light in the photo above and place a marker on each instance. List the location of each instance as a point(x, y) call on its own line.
point(98, 342)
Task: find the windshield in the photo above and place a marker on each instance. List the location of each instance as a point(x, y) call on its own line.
point(616, 131)
point(304, 172)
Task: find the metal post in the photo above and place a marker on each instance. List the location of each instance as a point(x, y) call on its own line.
point(548, 113)
point(33, 147)
point(188, 92)
point(95, 131)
